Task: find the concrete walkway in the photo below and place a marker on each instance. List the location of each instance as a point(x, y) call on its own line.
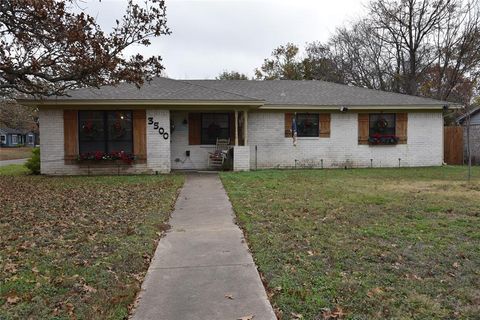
point(202, 268)
point(15, 161)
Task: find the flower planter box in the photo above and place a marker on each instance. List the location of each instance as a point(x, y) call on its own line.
point(383, 140)
point(111, 158)
point(99, 163)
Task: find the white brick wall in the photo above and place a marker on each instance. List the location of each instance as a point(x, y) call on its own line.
point(52, 148)
point(266, 131)
point(241, 158)
point(198, 159)
point(158, 148)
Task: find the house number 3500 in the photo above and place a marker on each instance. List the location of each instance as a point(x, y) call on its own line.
point(161, 130)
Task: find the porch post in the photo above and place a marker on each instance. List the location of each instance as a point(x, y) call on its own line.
point(245, 127)
point(236, 127)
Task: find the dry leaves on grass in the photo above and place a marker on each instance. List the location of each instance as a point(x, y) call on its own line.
point(70, 228)
point(335, 314)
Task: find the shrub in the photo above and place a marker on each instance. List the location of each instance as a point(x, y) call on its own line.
point(33, 164)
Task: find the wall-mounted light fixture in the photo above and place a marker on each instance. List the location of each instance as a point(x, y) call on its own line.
point(446, 107)
point(184, 121)
point(343, 109)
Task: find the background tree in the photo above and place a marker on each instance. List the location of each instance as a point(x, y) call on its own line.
point(429, 37)
point(49, 46)
point(16, 116)
point(419, 47)
point(231, 75)
point(288, 63)
point(283, 65)
point(318, 64)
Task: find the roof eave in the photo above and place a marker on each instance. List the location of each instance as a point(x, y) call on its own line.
point(356, 107)
point(138, 102)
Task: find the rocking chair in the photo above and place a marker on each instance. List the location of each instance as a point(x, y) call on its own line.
point(217, 158)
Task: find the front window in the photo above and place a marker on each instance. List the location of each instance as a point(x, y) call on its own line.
point(382, 128)
point(215, 126)
point(3, 139)
point(14, 139)
point(307, 124)
point(105, 131)
point(30, 139)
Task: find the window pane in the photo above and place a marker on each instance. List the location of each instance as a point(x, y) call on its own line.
point(382, 124)
point(120, 131)
point(307, 125)
point(91, 133)
point(215, 125)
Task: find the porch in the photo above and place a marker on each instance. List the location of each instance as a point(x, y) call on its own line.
point(194, 134)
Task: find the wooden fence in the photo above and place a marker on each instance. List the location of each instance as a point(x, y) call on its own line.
point(453, 145)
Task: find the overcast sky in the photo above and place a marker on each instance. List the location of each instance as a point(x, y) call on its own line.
point(209, 36)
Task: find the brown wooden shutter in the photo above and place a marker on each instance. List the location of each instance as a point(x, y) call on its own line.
point(194, 128)
point(363, 128)
point(288, 124)
point(324, 129)
point(70, 133)
point(401, 127)
point(140, 134)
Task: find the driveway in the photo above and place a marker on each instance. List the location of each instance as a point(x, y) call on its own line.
point(202, 268)
point(8, 162)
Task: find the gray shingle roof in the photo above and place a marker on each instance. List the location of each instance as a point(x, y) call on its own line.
point(157, 89)
point(273, 92)
point(6, 130)
point(321, 93)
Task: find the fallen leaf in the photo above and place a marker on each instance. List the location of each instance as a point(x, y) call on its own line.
point(88, 288)
point(310, 253)
point(13, 299)
point(296, 315)
point(374, 292)
point(35, 270)
point(249, 317)
point(456, 265)
point(336, 313)
point(10, 267)
point(229, 296)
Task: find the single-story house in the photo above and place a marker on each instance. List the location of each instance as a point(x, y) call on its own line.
point(474, 134)
point(174, 124)
point(14, 138)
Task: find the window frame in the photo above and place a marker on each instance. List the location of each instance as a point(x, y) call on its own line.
point(382, 114)
point(30, 139)
point(202, 114)
point(16, 139)
point(106, 139)
point(3, 138)
point(317, 134)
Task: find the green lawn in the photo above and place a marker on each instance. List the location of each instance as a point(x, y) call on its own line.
point(78, 247)
point(369, 243)
point(13, 170)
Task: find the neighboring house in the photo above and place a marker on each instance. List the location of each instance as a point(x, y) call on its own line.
point(15, 138)
point(474, 134)
point(173, 124)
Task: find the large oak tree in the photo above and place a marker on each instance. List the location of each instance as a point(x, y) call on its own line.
point(50, 46)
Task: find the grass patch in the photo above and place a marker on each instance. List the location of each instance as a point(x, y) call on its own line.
point(15, 153)
point(78, 247)
point(13, 170)
point(372, 243)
